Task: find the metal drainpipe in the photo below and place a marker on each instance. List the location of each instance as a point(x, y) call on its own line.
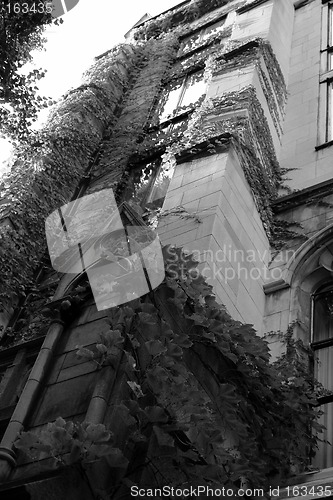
point(99, 400)
point(28, 399)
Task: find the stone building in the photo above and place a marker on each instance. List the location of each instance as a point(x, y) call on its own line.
point(218, 116)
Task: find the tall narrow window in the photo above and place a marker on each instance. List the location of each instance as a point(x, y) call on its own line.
point(329, 48)
point(329, 117)
point(322, 344)
point(328, 54)
point(326, 75)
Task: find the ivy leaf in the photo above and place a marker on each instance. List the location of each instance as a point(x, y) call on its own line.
point(148, 308)
point(98, 433)
point(128, 312)
point(83, 352)
point(175, 351)
point(183, 341)
point(167, 362)
point(61, 435)
point(229, 355)
point(156, 414)
point(209, 335)
point(133, 407)
point(198, 319)
point(112, 338)
point(27, 441)
point(179, 302)
point(163, 438)
point(179, 380)
point(116, 459)
point(159, 373)
point(155, 347)
point(123, 413)
point(147, 319)
point(318, 427)
point(101, 348)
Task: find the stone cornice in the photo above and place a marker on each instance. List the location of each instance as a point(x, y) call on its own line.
point(302, 196)
point(220, 143)
point(30, 345)
point(250, 6)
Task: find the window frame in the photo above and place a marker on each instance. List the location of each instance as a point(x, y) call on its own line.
point(157, 169)
point(318, 345)
point(155, 122)
point(182, 54)
point(177, 112)
point(321, 292)
point(325, 132)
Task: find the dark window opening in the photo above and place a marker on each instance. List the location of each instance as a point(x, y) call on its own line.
point(15, 494)
point(147, 185)
point(322, 344)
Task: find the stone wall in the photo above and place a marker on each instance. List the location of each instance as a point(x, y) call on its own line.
point(301, 123)
point(229, 240)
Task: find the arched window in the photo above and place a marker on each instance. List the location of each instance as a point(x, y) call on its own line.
point(322, 344)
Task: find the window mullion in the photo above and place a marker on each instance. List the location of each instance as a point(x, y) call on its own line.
point(325, 27)
point(150, 186)
point(182, 93)
point(329, 26)
point(325, 124)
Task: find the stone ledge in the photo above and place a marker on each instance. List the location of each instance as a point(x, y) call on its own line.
point(221, 143)
point(250, 6)
point(301, 196)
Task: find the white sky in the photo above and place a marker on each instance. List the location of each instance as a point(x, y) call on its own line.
point(91, 28)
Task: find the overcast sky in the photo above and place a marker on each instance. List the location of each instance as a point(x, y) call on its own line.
point(91, 28)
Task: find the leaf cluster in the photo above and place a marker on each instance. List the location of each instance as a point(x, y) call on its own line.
point(107, 350)
point(40, 179)
point(202, 386)
point(69, 442)
point(21, 32)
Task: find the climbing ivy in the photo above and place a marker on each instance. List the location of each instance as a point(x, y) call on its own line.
point(40, 179)
point(202, 388)
point(283, 233)
point(201, 383)
point(21, 32)
point(180, 16)
point(70, 442)
point(117, 109)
